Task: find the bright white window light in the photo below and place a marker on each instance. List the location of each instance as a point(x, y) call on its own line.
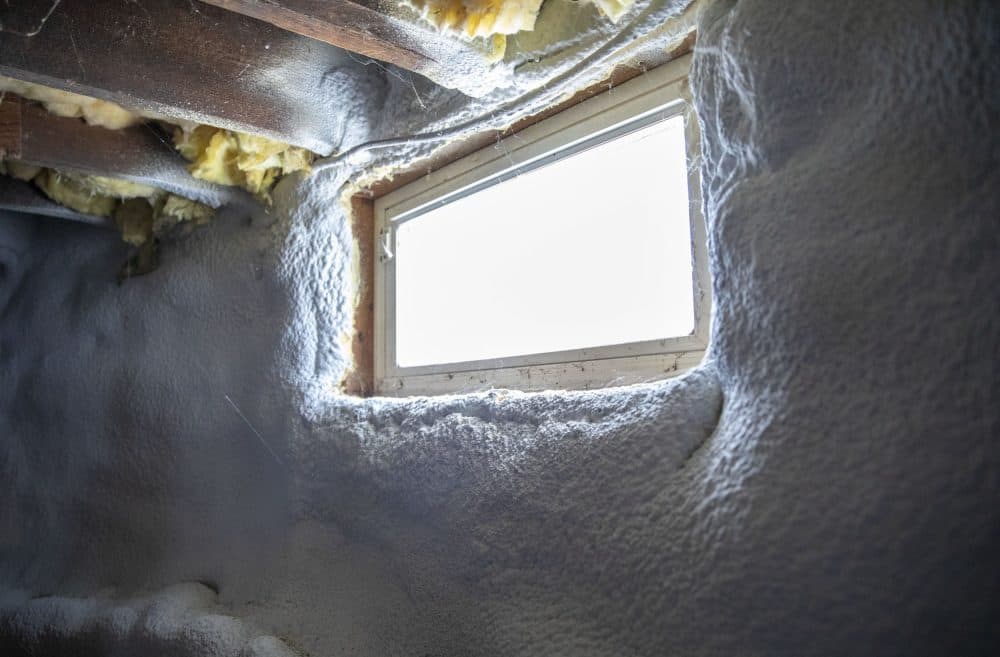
point(590, 250)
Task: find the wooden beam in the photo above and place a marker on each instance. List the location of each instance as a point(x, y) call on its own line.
point(10, 126)
point(360, 380)
point(141, 154)
point(25, 18)
point(354, 26)
point(185, 60)
point(18, 196)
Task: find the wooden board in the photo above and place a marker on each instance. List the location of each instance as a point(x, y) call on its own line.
point(18, 196)
point(10, 126)
point(187, 60)
point(354, 26)
point(360, 380)
point(141, 154)
point(25, 18)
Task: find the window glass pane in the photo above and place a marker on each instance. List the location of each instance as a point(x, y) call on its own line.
point(592, 250)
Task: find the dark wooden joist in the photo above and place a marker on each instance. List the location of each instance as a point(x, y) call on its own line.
point(18, 196)
point(186, 60)
point(142, 153)
point(361, 26)
point(10, 126)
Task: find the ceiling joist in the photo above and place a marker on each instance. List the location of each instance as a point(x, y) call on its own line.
point(364, 28)
point(183, 60)
point(10, 126)
point(219, 65)
point(141, 153)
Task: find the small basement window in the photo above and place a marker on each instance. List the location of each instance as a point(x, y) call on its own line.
point(571, 255)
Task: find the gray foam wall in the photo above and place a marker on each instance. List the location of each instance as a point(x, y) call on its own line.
point(826, 483)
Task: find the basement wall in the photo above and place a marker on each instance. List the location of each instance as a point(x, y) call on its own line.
point(180, 476)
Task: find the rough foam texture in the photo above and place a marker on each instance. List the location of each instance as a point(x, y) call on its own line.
point(826, 484)
point(179, 621)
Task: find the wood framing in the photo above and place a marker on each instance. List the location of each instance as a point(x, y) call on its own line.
point(183, 60)
point(141, 153)
point(10, 126)
point(363, 29)
point(360, 381)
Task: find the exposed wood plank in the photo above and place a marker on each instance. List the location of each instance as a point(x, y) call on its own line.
point(25, 18)
point(140, 154)
point(18, 196)
point(360, 381)
point(10, 126)
point(354, 26)
point(185, 60)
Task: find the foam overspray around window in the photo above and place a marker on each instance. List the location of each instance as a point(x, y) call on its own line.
point(593, 249)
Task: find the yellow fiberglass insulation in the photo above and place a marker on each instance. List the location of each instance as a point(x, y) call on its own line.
point(613, 9)
point(140, 211)
point(478, 18)
point(134, 218)
point(89, 194)
point(173, 210)
point(234, 158)
point(140, 219)
point(63, 103)
point(495, 18)
point(19, 170)
point(217, 155)
point(114, 187)
point(73, 194)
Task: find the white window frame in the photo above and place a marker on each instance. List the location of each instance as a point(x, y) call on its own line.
point(657, 95)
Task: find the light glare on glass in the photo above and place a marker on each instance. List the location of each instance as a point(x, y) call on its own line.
point(591, 250)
